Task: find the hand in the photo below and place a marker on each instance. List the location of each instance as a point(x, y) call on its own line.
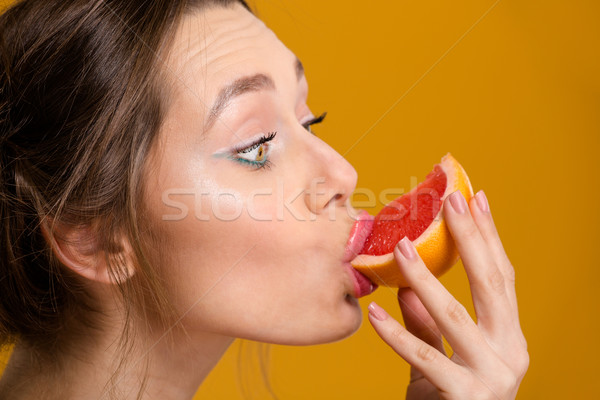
point(490, 357)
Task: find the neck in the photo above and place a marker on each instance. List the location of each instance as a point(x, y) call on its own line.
point(89, 371)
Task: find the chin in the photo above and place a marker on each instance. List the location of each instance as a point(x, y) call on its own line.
point(348, 321)
point(355, 322)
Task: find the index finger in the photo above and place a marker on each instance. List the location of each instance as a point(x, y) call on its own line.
point(451, 317)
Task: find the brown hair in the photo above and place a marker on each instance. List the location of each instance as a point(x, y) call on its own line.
point(80, 106)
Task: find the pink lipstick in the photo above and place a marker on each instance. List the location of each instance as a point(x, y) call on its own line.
point(358, 235)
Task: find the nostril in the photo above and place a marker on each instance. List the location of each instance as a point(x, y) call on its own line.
point(334, 200)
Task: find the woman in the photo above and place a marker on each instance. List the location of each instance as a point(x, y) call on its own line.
point(162, 194)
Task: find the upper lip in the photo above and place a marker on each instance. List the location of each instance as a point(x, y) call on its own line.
point(358, 235)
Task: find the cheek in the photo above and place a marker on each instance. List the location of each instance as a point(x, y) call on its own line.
point(247, 277)
point(275, 292)
point(269, 233)
point(256, 267)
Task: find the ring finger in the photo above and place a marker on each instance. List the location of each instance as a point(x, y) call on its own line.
point(487, 281)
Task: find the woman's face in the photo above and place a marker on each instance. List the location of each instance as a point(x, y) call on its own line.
point(255, 233)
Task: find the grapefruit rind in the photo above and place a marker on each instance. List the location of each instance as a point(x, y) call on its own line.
point(435, 245)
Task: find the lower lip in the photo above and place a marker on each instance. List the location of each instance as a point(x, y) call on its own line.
point(361, 229)
point(362, 285)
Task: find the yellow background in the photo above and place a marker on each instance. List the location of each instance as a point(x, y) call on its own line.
point(512, 89)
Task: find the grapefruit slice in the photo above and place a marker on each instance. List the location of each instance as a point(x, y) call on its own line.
point(417, 215)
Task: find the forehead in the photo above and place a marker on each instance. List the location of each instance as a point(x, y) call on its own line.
point(218, 45)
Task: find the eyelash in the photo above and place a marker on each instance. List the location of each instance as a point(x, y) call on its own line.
point(314, 121)
point(265, 140)
point(255, 164)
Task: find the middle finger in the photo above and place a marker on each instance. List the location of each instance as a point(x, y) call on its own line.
point(487, 281)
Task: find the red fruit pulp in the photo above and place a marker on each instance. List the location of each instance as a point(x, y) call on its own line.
point(408, 215)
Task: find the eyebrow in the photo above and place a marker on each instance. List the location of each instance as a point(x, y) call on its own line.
point(243, 85)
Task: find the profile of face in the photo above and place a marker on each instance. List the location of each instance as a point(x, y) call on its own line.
point(253, 208)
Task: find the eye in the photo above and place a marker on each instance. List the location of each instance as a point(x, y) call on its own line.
point(313, 121)
point(257, 154)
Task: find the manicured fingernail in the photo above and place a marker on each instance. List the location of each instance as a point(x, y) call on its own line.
point(458, 202)
point(407, 249)
point(482, 201)
point(377, 312)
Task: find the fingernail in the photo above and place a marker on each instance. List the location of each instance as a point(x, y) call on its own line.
point(482, 202)
point(458, 202)
point(377, 312)
point(407, 248)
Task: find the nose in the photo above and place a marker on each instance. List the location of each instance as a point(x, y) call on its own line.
point(332, 179)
